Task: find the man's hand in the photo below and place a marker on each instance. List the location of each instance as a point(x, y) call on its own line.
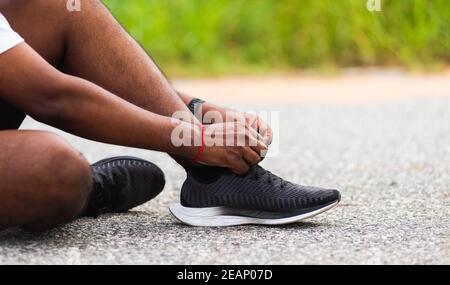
point(260, 126)
point(254, 122)
point(234, 145)
point(229, 115)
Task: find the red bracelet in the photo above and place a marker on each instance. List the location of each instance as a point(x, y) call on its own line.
point(197, 158)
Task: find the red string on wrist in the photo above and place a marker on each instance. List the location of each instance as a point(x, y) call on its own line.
point(197, 158)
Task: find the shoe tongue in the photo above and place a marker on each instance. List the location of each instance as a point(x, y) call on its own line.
point(206, 174)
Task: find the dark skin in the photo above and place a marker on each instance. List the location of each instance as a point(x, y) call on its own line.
point(81, 72)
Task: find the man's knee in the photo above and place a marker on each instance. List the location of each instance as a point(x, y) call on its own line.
point(67, 175)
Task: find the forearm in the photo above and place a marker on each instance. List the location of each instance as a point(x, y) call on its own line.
point(84, 109)
point(77, 106)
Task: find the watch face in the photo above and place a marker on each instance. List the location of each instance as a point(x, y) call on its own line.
point(194, 104)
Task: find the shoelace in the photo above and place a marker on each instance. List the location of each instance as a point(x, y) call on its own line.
point(260, 173)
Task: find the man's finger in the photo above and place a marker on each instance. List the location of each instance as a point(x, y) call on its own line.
point(240, 167)
point(251, 157)
point(268, 136)
point(257, 145)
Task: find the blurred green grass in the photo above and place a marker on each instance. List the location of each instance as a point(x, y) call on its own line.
point(215, 37)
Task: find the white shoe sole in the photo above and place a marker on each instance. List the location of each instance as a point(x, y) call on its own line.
point(223, 216)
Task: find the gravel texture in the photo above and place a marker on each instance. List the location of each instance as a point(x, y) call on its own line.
point(391, 161)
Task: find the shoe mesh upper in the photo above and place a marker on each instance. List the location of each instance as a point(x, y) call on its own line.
point(123, 183)
point(258, 190)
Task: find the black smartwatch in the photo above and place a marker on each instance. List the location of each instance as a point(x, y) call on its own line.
point(194, 104)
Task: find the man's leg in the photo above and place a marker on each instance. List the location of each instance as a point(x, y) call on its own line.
point(101, 51)
point(92, 45)
point(44, 182)
point(41, 23)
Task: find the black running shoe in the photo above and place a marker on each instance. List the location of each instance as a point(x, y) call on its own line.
point(122, 183)
point(218, 197)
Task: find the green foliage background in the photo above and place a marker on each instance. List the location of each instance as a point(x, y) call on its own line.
point(210, 37)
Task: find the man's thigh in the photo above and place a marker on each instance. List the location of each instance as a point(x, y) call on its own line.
point(41, 23)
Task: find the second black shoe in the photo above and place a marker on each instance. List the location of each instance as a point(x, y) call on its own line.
point(217, 197)
point(122, 183)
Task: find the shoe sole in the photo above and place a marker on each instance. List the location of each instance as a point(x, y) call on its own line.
point(225, 217)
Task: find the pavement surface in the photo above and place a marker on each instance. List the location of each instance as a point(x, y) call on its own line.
point(389, 158)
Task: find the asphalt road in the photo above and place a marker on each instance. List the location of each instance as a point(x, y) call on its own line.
point(391, 161)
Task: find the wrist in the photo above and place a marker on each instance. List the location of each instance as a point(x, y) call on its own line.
point(185, 139)
point(202, 147)
point(195, 105)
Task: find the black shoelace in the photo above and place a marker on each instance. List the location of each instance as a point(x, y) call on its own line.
point(259, 173)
